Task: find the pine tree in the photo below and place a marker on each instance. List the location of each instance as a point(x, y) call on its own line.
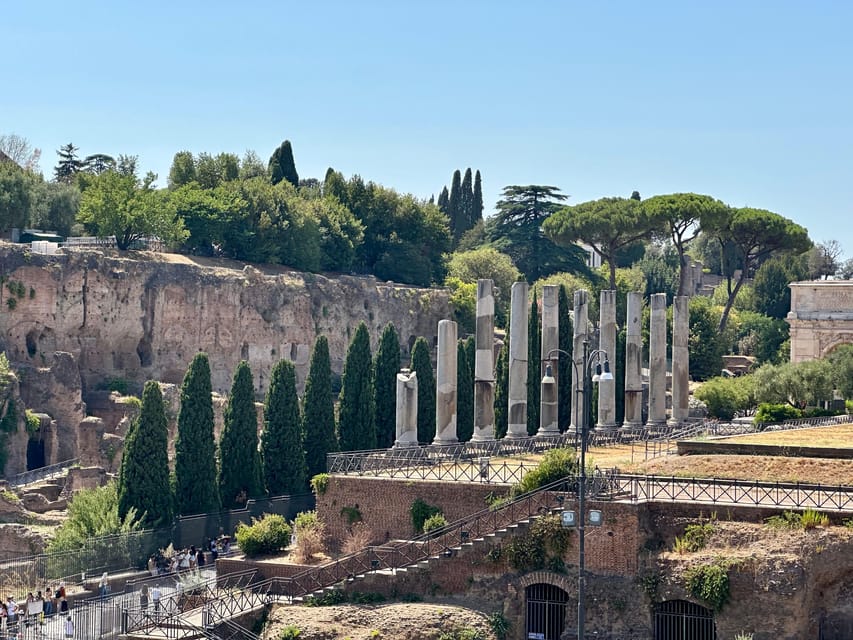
point(239, 460)
point(502, 392)
point(564, 342)
point(356, 425)
point(69, 164)
point(282, 440)
point(385, 368)
point(454, 206)
point(318, 418)
point(282, 165)
point(144, 474)
point(467, 204)
point(422, 366)
point(477, 209)
point(196, 489)
point(443, 199)
point(534, 375)
point(464, 394)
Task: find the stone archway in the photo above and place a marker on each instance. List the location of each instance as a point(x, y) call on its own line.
point(546, 599)
point(821, 318)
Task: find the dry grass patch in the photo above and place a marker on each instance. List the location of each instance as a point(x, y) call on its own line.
point(834, 436)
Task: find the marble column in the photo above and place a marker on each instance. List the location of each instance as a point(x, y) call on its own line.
point(518, 362)
point(633, 363)
point(580, 337)
point(445, 384)
point(657, 361)
point(680, 360)
point(549, 425)
point(607, 343)
point(484, 364)
point(407, 409)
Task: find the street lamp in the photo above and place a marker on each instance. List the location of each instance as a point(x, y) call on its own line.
point(598, 357)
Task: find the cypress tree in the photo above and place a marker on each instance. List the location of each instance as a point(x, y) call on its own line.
point(319, 416)
point(564, 341)
point(502, 391)
point(466, 215)
point(477, 210)
point(282, 165)
point(196, 489)
point(356, 426)
point(618, 359)
point(454, 207)
point(144, 474)
point(282, 440)
point(239, 460)
point(443, 198)
point(422, 365)
point(534, 375)
point(385, 368)
point(464, 394)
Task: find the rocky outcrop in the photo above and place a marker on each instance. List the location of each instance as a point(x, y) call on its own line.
point(13, 431)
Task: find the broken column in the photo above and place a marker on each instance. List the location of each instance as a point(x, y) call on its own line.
point(484, 367)
point(407, 409)
point(657, 361)
point(549, 424)
point(445, 384)
point(680, 360)
point(633, 363)
point(579, 344)
point(607, 343)
point(518, 362)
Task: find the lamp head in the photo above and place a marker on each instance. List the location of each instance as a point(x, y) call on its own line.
point(606, 375)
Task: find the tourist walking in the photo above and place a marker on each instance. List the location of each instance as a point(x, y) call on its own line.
point(69, 627)
point(143, 598)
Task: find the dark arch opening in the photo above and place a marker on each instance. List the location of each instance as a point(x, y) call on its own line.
point(546, 611)
point(683, 620)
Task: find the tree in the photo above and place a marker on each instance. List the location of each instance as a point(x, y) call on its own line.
point(534, 364)
point(69, 164)
point(54, 206)
point(772, 294)
point(183, 170)
point(385, 368)
point(502, 392)
point(282, 440)
point(841, 362)
point(477, 204)
point(565, 341)
point(16, 196)
point(454, 206)
point(98, 163)
point(19, 150)
point(127, 165)
point(356, 422)
point(659, 267)
point(824, 259)
point(422, 366)
point(196, 489)
point(281, 165)
point(118, 205)
point(516, 230)
point(607, 225)
point(252, 166)
point(466, 205)
point(318, 417)
point(704, 341)
point(144, 473)
point(464, 393)
point(802, 384)
point(443, 199)
point(681, 216)
point(239, 460)
point(486, 262)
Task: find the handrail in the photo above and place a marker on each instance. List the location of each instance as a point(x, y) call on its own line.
point(42, 473)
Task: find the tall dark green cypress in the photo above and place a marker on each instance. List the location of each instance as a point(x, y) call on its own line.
point(282, 440)
point(318, 418)
point(282, 165)
point(464, 394)
point(618, 359)
point(502, 391)
point(239, 459)
point(144, 473)
point(443, 199)
point(196, 489)
point(564, 340)
point(385, 368)
point(467, 203)
point(534, 375)
point(356, 425)
point(454, 206)
point(477, 210)
point(422, 366)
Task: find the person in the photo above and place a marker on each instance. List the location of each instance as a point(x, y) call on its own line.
point(143, 598)
point(213, 552)
point(199, 557)
point(155, 598)
point(11, 615)
point(104, 585)
point(69, 627)
point(184, 563)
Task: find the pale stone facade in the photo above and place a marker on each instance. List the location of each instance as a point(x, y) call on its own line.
point(821, 317)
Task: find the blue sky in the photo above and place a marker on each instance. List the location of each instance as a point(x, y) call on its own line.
point(750, 102)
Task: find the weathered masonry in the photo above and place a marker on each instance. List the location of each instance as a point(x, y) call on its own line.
point(821, 318)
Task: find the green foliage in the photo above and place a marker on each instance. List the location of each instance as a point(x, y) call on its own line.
point(464, 392)
point(239, 459)
point(9, 422)
point(659, 266)
point(463, 301)
point(319, 483)
point(801, 384)
point(385, 368)
point(5, 367)
point(760, 336)
point(499, 625)
point(841, 361)
point(420, 512)
point(33, 422)
point(282, 440)
point(710, 582)
point(144, 485)
point(772, 295)
point(742, 635)
point(726, 397)
point(266, 535)
point(422, 366)
point(808, 519)
point(502, 391)
point(356, 425)
point(318, 416)
point(486, 262)
point(352, 514)
point(306, 520)
point(92, 513)
point(196, 489)
point(290, 632)
point(534, 377)
point(282, 166)
point(328, 599)
point(704, 342)
point(768, 412)
point(435, 521)
point(461, 633)
point(556, 464)
point(542, 547)
point(695, 537)
point(564, 367)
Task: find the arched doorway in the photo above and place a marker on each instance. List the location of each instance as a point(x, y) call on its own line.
point(546, 611)
point(683, 620)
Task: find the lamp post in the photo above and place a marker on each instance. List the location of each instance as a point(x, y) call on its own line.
point(602, 372)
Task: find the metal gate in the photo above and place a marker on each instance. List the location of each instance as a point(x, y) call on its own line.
point(546, 611)
point(682, 620)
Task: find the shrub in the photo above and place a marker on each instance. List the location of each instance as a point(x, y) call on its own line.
point(710, 582)
point(694, 539)
point(320, 483)
point(498, 624)
point(310, 536)
point(356, 539)
point(808, 519)
point(33, 422)
point(726, 397)
point(328, 599)
point(268, 535)
point(542, 547)
point(556, 464)
point(435, 521)
point(290, 632)
point(768, 412)
point(421, 512)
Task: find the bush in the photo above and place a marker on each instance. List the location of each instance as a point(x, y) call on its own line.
point(808, 519)
point(542, 547)
point(421, 512)
point(768, 412)
point(290, 632)
point(268, 535)
point(310, 536)
point(556, 464)
point(356, 539)
point(320, 483)
point(694, 539)
point(710, 582)
point(435, 521)
point(726, 397)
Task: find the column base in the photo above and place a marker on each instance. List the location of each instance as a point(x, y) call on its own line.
point(516, 436)
point(606, 427)
point(404, 444)
point(631, 427)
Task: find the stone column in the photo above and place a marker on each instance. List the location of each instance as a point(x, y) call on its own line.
point(680, 360)
point(445, 384)
point(633, 363)
point(657, 361)
point(549, 425)
point(580, 336)
point(607, 343)
point(407, 409)
point(484, 366)
point(518, 362)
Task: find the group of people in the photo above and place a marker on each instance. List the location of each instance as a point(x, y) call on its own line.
point(34, 611)
point(183, 560)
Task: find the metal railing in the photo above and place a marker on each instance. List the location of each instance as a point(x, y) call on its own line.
point(43, 473)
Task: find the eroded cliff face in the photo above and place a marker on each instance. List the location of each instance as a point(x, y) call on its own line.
point(144, 316)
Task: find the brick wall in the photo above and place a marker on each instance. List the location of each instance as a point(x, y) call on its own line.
point(265, 569)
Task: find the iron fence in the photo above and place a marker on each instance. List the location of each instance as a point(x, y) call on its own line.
point(42, 473)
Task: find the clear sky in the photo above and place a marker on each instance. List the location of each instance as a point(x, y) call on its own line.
point(750, 102)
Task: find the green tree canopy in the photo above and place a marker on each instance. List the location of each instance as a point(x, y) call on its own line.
point(705, 344)
point(239, 460)
point(422, 366)
point(282, 165)
point(183, 170)
point(16, 196)
point(486, 262)
point(502, 392)
point(801, 384)
point(282, 440)
point(534, 364)
point(385, 367)
point(356, 422)
point(68, 165)
point(318, 417)
point(464, 392)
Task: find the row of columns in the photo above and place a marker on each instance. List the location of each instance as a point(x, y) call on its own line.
point(484, 367)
